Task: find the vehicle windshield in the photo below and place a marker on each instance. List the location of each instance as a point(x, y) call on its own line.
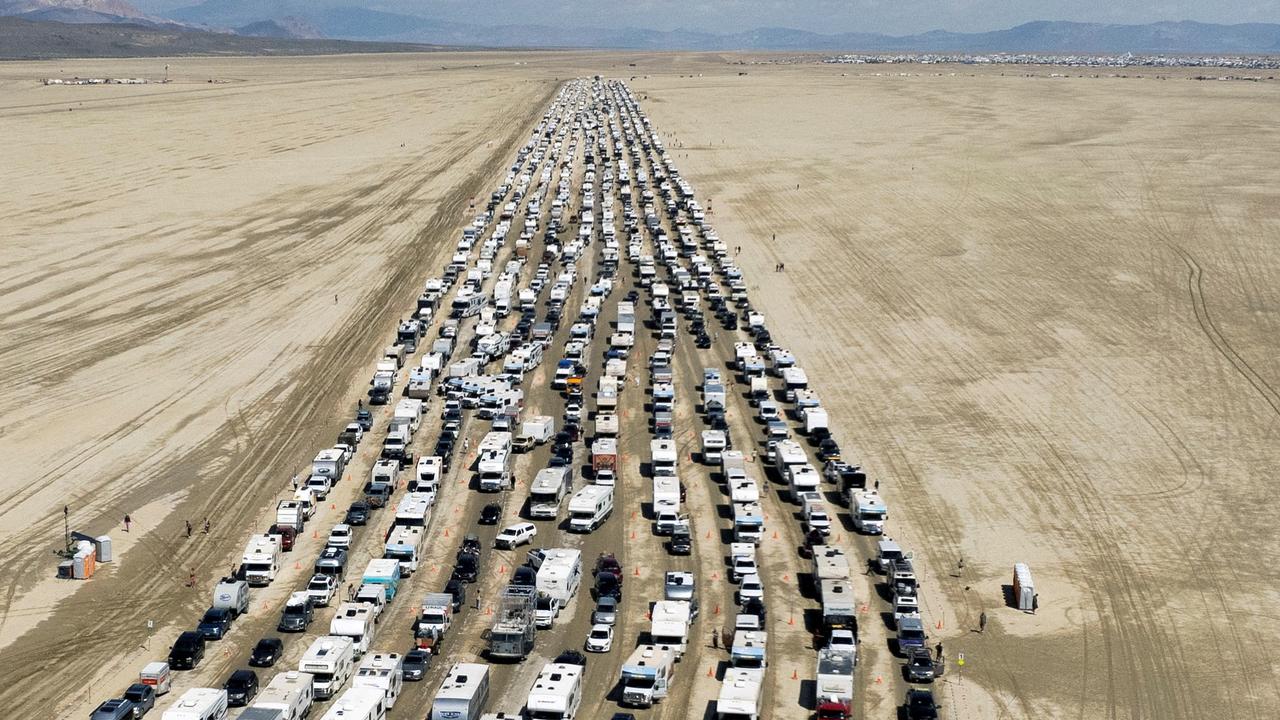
point(321, 678)
point(639, 683)
point(406, 555)
point(599, 634)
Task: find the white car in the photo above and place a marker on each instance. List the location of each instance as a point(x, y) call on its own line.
point(600, 639)
point(339, 536)
point(750, 587)
point(515, 536)
point(743, 566)
point(842, 641)
point(321, 589)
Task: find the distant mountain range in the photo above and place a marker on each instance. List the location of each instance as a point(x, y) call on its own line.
point(297, 19)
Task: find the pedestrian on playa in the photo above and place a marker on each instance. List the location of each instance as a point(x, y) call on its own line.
point(127, 521)
point(191, 578)
point(188, 528)
point(877, 485)
point(206, 524)
point(295, 481)
point(939, 651)
point(982, 622)
point(715, 639)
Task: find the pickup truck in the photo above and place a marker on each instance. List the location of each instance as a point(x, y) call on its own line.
point(377, 493)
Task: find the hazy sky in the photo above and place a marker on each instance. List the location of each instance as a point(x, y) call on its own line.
point(887, 16)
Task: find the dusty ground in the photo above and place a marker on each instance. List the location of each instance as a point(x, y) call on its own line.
point(1044, 314)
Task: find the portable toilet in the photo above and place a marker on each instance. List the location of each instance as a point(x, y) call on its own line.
point(104, 548)
point(1024, 588)
point(84, 563)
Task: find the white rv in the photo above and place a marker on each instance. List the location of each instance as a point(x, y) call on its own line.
point(381, 671)
point(663, 455)
point(289, 693)
point(739, 697)
point(261, 559)
point(560, 576)
point(463, 694)
point(199, 704)
point(556, 693)
point(646, 676)
point(358, 703)
point(494, 463)
point(549, 488)
point(355, 621)
point(669, 626)
point(590, 507)
point(329, 660)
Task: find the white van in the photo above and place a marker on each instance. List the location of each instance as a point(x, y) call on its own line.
point(199, 704)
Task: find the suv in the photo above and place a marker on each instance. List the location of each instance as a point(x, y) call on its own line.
point(117, 709)
point(321, 588)
point(357, 514)
point(920, 705)
point(215, 624)
point(241, 687)
point(516, 535)
point(298, 612)
point(143, 698)
point(187, 651)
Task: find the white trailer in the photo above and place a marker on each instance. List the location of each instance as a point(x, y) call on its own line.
point(330, 661)
point(739, 697)
point(560, 574)
point(669, 626)
point(383, 672)
point(556, 693)
point(463, 694)
point(199, 704)
point(290, 693)
point(358, 703)
point(355, 621)
point(666, 494)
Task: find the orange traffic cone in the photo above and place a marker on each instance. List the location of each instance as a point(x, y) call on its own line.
point(446, 532)
point(717, 612)
point(794, 676)
point(637, 573)
point(711, 672)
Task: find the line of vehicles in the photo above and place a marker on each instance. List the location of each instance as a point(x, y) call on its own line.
point(343, 670)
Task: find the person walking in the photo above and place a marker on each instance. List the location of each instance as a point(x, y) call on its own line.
point(191, 578)
point(295, 482)
point(206, 524)
point(982, 622)
point(939, 651)
point(127, 521)
point(188, 528)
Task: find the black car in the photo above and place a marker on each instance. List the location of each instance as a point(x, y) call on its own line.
point(266, 652)
point(703, 341)
point(607, 585)
point(467, 567)
point(416, 663)
point(490, 514)
point(143, 698)
point(755, 606)
point(572, 657)
point(241, 688)
point(470, 545)
point(357, 514)
point(215, 623)
point(920, 705)
point(187, 651)
point(365, 419)
point(458, 590)
point(680, 544)
point(829, 449)
point(525, 576)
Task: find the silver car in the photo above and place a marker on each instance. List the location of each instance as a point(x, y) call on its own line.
point(606, 612)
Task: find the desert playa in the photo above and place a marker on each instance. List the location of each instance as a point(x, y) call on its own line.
point(1043, 313)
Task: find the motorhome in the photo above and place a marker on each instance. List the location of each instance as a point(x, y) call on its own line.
point(748, 522)
point(494, 462)
point(663, 456)
point(666, 495)
point(382, 672)
point(590, 507)
point(414, 510)
point(829, 563)
point(358, 703)
point(839, 605)
point(669, 625)
point(330, 661)
point(355, 621)
point(868, 511)
point(557, 582)
point(198, 704)
point(463, 694)
point(261, 559)
point(789, 454)
point(549, 488)
point(646, 676)
point(427, 475)
point(793, 379)
point(606, 425)
point(468, 303)
point(604, 460)
point(409, 410)
point(289, 693)
point(403, 545)
point(714, 443)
